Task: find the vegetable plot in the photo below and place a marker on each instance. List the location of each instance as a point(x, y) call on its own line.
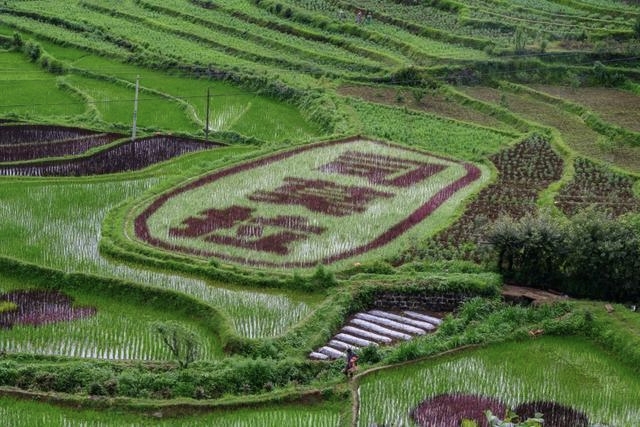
point(125, 156)
point(38, 307)
point(314, 204)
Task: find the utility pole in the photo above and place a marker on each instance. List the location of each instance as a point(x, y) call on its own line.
point(135, 110)
point(206, 127)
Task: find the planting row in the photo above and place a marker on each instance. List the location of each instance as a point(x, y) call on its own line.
point(523, 171)
point(595, 185)
point(126, 156)
point(41, 134)
point(29, 142)
point(580, 136)
point(556, 370)
point(46, 322)
point(59, 226)
point(342, 198)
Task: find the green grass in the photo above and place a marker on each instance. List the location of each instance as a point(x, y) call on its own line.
point(428, 132)
point(118, 331)
point(30, 92)
point(57, 224)
point(115, 105)
point(169, 102)
point(21, 413)
point(570, 371)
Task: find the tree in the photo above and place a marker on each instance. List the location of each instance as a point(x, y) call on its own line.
point(604, 257)
point(183, 344)
point(530, 249)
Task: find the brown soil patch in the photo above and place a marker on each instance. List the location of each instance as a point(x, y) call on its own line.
point(530, 295)
point(573, 130)
point(431, 102)
point(613, 105)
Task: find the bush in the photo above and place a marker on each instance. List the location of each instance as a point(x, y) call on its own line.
point(17, 40)
point(591, 256)
point(32, 50)
point(370, 354)
point(181, 342)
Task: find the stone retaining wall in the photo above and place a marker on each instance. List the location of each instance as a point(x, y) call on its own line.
point(422, 301)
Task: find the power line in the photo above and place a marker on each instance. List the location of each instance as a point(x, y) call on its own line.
point(114, 101)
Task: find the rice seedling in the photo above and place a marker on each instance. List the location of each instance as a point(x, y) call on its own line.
point(21, 413)
point(342, 198)
point(25, 82)
point(569, 371)
point(58, 225)
point(52, 323)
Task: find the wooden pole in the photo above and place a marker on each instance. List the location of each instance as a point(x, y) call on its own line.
point(135, 109)
point(206, 127)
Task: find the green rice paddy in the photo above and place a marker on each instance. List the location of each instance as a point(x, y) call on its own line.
point(570, 371)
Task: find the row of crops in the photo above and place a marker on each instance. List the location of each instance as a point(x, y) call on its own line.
point(513, 374)
point(308, 41)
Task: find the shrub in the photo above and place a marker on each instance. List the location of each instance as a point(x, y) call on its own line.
point(604, 76)
point(32, 50)
point(370, 354)
point(181, 342)
point(520, 40)
point(17, 40)
point(591, 256)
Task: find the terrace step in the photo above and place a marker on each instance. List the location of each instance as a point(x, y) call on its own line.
point(341, 345)
point(318, 356)
point(433, 320)
point(417, 323)
point(375, 327)
point(367, 334)
point(357, 342)
point(331, 352)
point(391, 324)
point(370, 326)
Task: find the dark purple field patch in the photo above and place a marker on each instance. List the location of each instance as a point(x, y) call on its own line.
point(554, 414)
point(40, 307)
point(448, 410)
point(129, 156)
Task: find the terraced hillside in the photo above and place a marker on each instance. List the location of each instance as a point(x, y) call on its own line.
point(204, 204)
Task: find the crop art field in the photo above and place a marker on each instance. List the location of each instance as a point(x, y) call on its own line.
point(315, 204)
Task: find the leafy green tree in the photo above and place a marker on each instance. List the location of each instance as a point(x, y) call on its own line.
point(529, 250)
point(604, 259)
point(592, 255)
point(183, 344)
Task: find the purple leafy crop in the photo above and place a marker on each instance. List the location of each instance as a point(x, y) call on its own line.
point(39, 307)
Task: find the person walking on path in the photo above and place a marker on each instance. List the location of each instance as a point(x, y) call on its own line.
point(351, 365)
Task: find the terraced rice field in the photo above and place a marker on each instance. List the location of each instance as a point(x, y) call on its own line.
point(249, 170)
